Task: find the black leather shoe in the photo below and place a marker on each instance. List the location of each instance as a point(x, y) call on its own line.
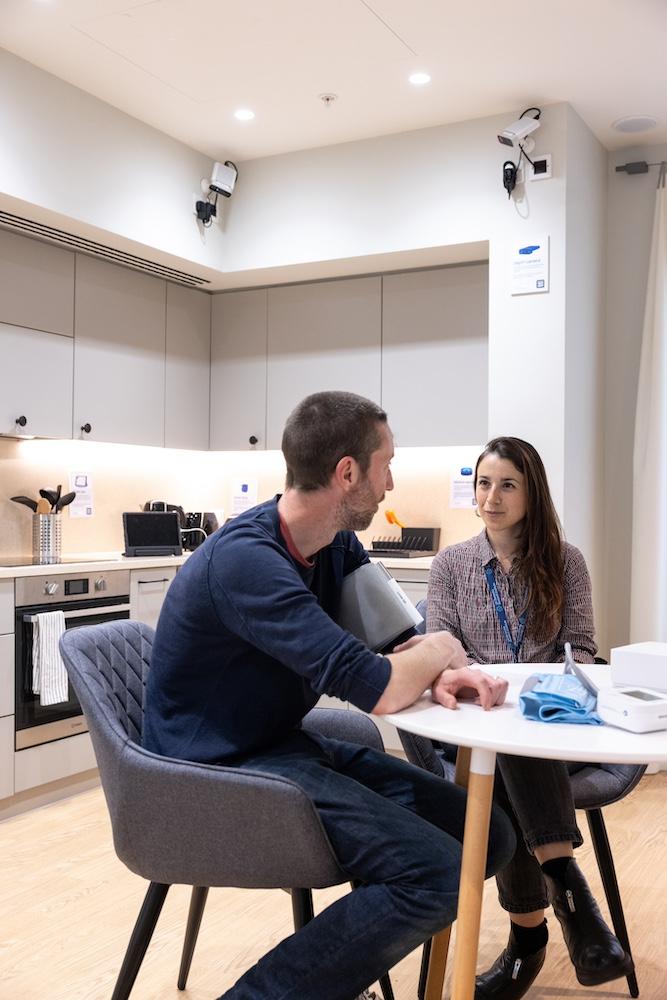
point(596, 953)
point(510, 976)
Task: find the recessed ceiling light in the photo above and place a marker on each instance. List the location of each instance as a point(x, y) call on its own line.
point(419, 79)
point(244, 115)
point(634, 123)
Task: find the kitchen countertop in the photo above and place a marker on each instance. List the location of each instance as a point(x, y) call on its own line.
point(96, 562)
point(93, 562)
point(418, 562)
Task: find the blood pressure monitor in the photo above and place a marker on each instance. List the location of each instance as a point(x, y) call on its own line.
point(638, 709)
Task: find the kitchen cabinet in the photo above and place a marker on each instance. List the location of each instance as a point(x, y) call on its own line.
point(323, 335)
point(6, 606)
point(6, 756)
point(188, 362)
point(6, 688)
point(119, 354)
point(414, 582)
point(238, 370)
point(435, 355)
point(36, 284)
point(148, 588)
point(7, 675)
point(35, 382)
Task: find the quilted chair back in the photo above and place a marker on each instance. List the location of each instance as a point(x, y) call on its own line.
point(178, 821)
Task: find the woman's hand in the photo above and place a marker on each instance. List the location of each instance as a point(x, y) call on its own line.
point(469, 683)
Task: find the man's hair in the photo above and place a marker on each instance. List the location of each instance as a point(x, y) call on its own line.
point(324, 428)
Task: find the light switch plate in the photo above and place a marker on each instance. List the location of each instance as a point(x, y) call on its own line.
point(540, 168)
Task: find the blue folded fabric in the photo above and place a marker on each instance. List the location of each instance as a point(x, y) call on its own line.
point(558, 698)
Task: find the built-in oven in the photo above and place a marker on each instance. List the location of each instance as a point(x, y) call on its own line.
point(85, 599)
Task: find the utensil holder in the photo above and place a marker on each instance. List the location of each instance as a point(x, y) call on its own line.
point(46, 538)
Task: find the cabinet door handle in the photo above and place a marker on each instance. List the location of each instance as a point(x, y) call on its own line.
point(144, 583)
point(253, 439)
point(86, 428)
point(21, 421)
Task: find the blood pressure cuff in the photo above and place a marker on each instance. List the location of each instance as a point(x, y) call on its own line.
point(558, 698)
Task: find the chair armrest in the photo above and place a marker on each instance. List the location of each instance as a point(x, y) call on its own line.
point(343, 724)
point(205, 825)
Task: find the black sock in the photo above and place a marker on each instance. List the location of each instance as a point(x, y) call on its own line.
point(556, 867)
point(530, 940)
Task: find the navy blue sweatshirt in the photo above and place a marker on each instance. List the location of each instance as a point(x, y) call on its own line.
point(246, 643)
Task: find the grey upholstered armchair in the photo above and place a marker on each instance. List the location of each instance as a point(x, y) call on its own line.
point(194, 824)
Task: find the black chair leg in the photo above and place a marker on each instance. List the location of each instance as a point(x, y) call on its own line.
point(140, 939)
point(605, 861)
point(302, 907)
point(386, 987)
point(195, 914)
point(423, 972)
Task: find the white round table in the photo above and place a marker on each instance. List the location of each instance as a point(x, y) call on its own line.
point(505, 730)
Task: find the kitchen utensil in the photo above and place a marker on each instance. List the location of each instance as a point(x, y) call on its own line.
point(27, 502)
point(59, 490)
point(63, 501)
point(43, 505)
point(391, 517)
point(49, 495)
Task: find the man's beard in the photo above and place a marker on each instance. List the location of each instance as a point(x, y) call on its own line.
point(358, 510)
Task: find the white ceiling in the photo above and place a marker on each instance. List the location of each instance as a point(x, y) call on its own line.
point(184, 66)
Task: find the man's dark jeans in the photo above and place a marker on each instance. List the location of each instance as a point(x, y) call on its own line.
point(395, 829)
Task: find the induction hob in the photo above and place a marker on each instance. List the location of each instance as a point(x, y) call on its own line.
point(11, 562)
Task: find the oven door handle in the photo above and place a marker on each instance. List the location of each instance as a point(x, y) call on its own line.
point(84, 612)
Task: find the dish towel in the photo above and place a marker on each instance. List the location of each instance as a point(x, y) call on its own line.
point(49, 677)
point(558, 698)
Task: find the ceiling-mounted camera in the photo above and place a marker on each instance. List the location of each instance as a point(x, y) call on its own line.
point(519, 130)
point(223, 180)
point(517, 134)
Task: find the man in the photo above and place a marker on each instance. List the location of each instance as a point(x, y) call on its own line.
point(246, 644)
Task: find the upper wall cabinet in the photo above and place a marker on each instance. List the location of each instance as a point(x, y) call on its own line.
point(435, 355)
point(325, 335)
point(36, 284)
point(35, 382)
point(119, 354)
point(238, 370)
point(187, 378)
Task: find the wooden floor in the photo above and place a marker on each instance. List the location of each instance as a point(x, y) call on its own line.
point(67, 906)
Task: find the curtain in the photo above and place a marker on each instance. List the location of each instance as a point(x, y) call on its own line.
point(648, 609)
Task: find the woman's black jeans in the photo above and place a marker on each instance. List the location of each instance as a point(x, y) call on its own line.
point(537, 797)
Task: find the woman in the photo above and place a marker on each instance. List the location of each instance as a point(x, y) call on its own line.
point(518, 592)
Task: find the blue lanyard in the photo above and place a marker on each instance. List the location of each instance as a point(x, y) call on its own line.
point(502, 617)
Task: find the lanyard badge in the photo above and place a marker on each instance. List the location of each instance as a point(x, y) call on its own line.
point(514, 646)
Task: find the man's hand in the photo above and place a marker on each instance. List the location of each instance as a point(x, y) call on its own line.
point(470, 683)
point(448, 648)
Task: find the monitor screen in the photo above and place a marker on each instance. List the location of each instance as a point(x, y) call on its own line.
point(152, 529)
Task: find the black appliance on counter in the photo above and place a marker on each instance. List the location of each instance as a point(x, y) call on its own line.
point(195, 526)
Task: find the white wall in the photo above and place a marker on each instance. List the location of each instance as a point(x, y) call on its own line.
point(631, 204)
point(584, 357)
point(407, 196)
point(67, 157)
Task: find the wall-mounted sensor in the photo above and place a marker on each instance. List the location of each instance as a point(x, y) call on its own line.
point(223, 180)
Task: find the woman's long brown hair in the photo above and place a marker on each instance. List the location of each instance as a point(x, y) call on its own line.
point(540, 563)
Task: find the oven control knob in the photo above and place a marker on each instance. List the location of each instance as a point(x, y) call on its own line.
point(50, 589)
point(100, 583)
